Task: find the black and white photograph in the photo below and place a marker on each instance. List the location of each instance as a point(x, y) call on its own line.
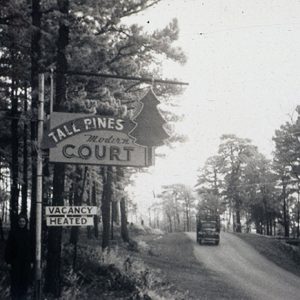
point(149, 150)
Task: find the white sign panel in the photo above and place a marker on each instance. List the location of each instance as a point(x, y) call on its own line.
point(91, 139)
point(71, 210)
point(69, 221)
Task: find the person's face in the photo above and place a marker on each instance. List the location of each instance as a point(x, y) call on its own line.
point(22, 222)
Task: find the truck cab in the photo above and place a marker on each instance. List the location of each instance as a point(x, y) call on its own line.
point(208, 229)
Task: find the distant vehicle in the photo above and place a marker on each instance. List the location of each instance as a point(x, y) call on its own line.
point(208, 228)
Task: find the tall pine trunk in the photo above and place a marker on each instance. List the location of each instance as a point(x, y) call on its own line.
point(112, 220)
point(35, 57)
point(116, 211)
point(238, 227)
point(298, 212)
point(53, 267)
point(94, 203)
point(1, 230)
point(76, 202)
point(25, 159)
point(285, 212)
point(78, 199)
point(124, 229)
point(106, 204)
point(14, 162)
point(187, 219)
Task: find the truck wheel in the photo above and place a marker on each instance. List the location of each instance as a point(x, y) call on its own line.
point(200, 242)
point(217, 243)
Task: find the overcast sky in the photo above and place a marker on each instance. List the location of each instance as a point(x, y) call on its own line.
point(243, 71)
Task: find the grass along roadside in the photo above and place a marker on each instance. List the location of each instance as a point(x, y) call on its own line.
point(282, 254)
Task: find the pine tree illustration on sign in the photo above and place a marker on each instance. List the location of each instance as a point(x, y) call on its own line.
point(149, 129)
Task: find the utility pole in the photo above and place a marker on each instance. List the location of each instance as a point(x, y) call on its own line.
point(38, 271)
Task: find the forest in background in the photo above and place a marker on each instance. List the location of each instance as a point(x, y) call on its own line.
point(239, 183)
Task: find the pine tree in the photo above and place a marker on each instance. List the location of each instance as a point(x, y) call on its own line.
point(149, 130)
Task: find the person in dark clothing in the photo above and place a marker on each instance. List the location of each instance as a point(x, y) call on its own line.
point(19, 255)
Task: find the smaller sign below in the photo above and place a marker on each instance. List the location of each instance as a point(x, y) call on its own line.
point(70, 221)
point(70, 215)
point(70, 210)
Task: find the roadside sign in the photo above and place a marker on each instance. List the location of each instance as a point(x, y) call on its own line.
point(92, 139)
point(70, 210)
point(70, 215)
point(69, 221)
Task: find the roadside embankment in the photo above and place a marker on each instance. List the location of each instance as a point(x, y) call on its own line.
point(282, 254)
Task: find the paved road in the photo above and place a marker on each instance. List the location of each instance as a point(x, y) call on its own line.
point(257, 277)
point(173, 257)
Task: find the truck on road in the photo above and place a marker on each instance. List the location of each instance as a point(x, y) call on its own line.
point(208, 228)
